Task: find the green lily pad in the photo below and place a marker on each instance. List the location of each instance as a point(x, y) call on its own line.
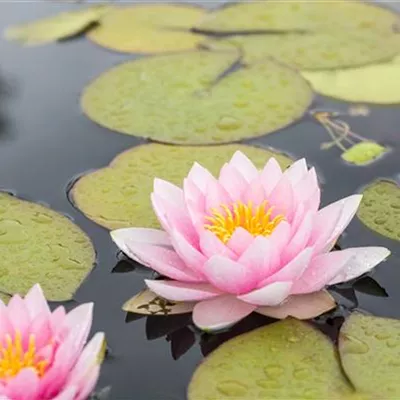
point(284, 360)
point(370, 353)
point(118, 196)
point(380, 208)
point(148, 29)
point(196, 98)
point(38, 245)
point(314, 51)
point(363, 153)
point(308, 15)
point(55, 28)
point(379, 84)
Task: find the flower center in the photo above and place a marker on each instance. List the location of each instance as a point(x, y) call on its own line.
point(13, 357)
point(256, 220)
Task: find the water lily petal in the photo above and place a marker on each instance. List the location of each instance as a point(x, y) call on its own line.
point(280, 236)
point(269, 295)
point(240, 240)
point(255, 192)
point(362, 261)
point(168, 191)
point(194, 198)
point(19, 314)
point(215, 196)
point(307, 186)
point(67, 394)
point(244, 166)
point(182, 291)
point(220, 312)
point(282, 198)
point(210, 246)
point(200, 177)
point(301, 306)
point(36, 303)
point(23, 386)
point(296, 171)
point(88, 384)
point(229, 276)
point(271, 175)
point(322, 269)
point(232, 181)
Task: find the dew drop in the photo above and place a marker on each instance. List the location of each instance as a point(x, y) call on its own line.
point(232, 388)
point(229, 123)
point(301, 373)
point(380, 220)
point(273, 370)
point(391, 343)
point(293, 339)
point(42, 218)
point(382, 335)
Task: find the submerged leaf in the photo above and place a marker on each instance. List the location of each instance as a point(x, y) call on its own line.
point(149, 28)
point(313, 51)
point(370, 286)
point(55, 28)
point(370, 354)
point(380, 208)
point(205, 97)
point(378, 83)
point(148, 303)
point(38, 245)
point(118, 196)
point(363, 153)
point(284, 360)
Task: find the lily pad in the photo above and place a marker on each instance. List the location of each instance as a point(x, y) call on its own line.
point(38, 245)
point(196, 98)
point(380, 208)
point(55, 28)
point(285, 360)
point(379, 84)
point(147, 303)
point(149, 29)
point(118, 196)
point(304, 16)
point(314, 51)
point(370, 353)
point(363, 153)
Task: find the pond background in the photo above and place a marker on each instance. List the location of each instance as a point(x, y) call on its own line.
point(46, 142)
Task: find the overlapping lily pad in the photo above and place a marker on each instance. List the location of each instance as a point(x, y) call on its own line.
point(380, 208)
point(118, 196)
point(378, 84)
point(149, 29)
point(38, 245)
point(196, 98)
point(370, 354)
point(58, 27)
point(285, 360)
point(314, 51)
point(292, 360)
point(299, 16)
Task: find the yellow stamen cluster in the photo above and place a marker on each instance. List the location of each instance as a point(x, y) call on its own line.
point(256, 220)
point(13, 357)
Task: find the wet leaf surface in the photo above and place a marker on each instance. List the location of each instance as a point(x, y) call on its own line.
point(118, 196)
point(149, 28)
point(38, 245)
point(363, 153)
point(205, 97)
point(380, 208)
point(61, 26)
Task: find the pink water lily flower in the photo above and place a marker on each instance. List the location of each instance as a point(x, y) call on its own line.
point(43, 354)
point(245, 241)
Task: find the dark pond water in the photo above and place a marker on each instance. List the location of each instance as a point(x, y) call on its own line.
point(45, 141)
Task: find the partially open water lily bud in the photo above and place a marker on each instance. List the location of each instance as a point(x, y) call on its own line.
point(248, 241)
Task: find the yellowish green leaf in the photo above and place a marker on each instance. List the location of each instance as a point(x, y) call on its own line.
point(149, 29)
point(314, 51)
point(201, 99)
point(380, 208)
point(378, 83)
point(300, 15)
point(363, 153)
point(284, 360)
point(148, 303)
point(370, 353)
point(38, 245)
point(55, 28)
point(118, 196)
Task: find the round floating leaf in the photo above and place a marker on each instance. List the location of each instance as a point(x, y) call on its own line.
point(378, 84)
point(307, 15)
point(148, 29)
point(284, 360)
point(196, 97)
point(370, 354)
point(119, 196)
point(363, 153)
point(61, 26)
point(315, 51)
point(380, 208)
point(38, 245)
